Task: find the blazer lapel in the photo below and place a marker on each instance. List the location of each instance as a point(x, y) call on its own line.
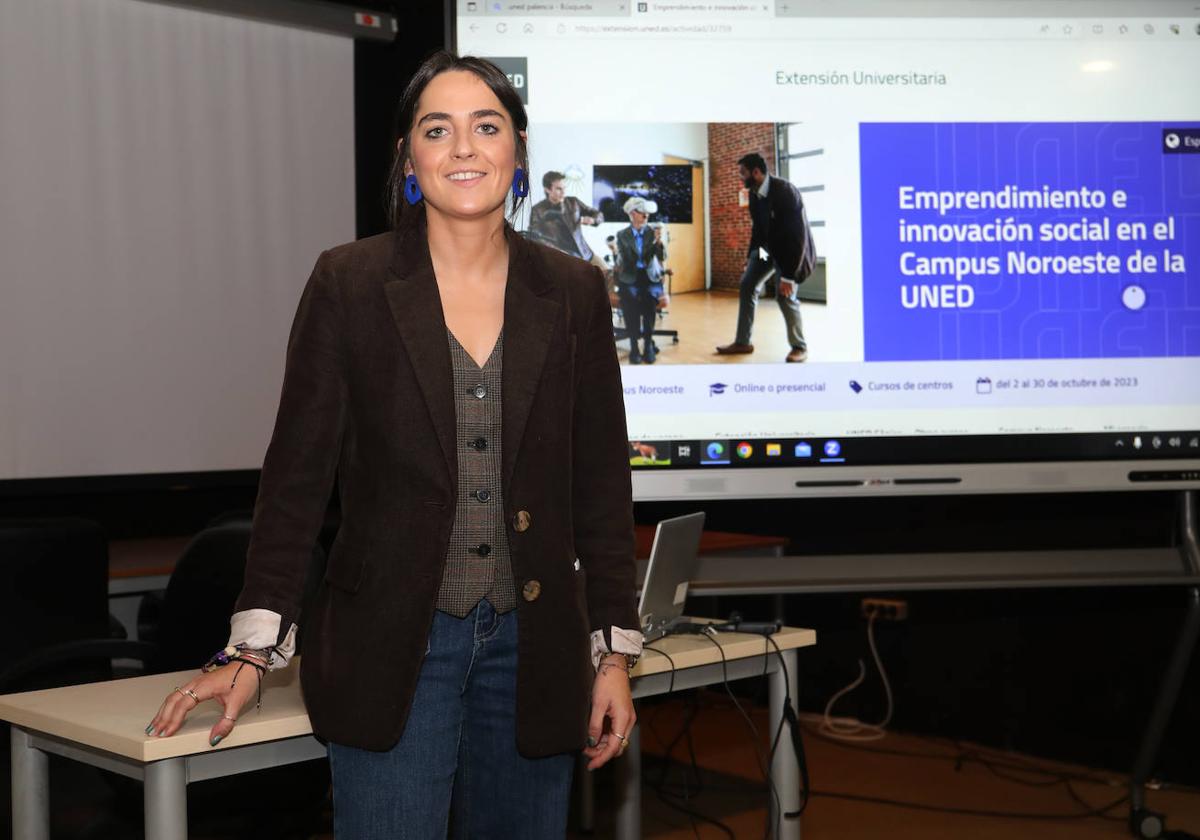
point(530, 315)
point(412, 295)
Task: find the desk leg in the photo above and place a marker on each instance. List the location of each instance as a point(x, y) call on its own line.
point(30, 789)
point(784, 768)
point(165, 799)
point(629, 789)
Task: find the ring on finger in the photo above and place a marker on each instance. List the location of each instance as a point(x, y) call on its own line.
point(189, 693)
point(227, 717)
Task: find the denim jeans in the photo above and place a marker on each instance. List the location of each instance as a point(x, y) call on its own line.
point(457, 763)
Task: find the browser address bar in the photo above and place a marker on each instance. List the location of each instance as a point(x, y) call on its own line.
point(792, 29)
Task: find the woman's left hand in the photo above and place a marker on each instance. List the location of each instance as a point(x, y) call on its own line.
point(613, 716)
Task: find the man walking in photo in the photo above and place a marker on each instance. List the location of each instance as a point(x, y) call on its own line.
point(779, 241)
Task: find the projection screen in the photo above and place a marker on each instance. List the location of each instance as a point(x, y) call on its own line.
point(168, 177)
point(1004, 201)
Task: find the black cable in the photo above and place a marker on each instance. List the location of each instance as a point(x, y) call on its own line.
point(970, 812)
point(764, 766)
point(670, 661)
point(790, 717)
point(961, 756)
point(659, 789)
point(1075, 795)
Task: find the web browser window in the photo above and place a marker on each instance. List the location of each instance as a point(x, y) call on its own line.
point(978, 235)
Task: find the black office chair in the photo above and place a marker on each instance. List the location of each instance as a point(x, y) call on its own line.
point(194, 623)
point(55, 628)
point(620, 331)
point(203, 589)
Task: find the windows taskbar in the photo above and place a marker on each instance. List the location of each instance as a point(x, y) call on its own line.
point(913, 449)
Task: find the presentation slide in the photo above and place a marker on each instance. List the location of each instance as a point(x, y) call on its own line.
point(1030, 240)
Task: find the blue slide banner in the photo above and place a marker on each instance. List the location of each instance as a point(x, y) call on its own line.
point(1030, 240)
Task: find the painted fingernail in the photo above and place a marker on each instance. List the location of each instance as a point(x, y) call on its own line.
point(149, 729)
point(591, 742)
point(214, 740)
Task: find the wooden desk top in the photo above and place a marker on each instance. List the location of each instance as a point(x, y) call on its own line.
point(113, 715)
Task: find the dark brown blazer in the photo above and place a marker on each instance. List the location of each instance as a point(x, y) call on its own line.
point(367, 396)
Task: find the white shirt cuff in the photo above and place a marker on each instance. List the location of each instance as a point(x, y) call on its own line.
point(259, 630)
point(623, 641)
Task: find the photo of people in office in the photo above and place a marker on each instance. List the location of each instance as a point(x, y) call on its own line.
point(692, 224)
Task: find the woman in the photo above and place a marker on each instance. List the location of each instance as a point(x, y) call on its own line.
point(640, 254)
point(463, 385)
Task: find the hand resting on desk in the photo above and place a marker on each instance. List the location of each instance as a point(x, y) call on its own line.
point(225, 685)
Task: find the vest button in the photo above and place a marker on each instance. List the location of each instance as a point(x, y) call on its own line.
point(483, 495)
point(483, 550)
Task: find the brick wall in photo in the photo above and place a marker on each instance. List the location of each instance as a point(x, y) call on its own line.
point(729, 223)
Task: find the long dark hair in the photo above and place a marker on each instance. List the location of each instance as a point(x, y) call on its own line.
point(398, 209)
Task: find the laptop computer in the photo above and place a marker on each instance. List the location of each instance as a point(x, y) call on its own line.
point(674, 560)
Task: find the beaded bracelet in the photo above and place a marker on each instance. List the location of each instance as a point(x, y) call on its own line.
point(629, 661)
point(230, 654)
point(245, 656)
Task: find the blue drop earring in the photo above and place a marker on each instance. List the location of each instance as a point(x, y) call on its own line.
point(412, 190)
point(520, 183)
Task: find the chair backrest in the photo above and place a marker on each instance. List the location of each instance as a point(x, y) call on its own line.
point(53, 589)
point(202, 592)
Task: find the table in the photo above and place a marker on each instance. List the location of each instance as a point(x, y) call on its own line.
point(698, 663)
point(103, 724)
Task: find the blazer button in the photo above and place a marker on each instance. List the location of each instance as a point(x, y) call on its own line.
point(531, 590)
point(521, 521)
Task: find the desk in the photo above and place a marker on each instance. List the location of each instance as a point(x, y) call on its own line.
point(103, 724)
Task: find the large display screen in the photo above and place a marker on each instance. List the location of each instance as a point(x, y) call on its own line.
point(879, 244)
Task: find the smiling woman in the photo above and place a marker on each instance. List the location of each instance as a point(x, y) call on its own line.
point(476, 622)
point(430, 133)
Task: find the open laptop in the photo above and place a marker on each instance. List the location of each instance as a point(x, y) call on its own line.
point(674, 559)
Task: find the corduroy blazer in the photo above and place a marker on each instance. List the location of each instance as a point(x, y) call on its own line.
point(368, 397)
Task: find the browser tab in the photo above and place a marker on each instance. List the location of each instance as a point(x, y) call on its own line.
point(544, 8)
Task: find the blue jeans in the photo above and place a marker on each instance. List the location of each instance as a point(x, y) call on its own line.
point(458, 755)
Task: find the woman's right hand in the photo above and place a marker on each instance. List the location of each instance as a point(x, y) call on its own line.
point(219, 685)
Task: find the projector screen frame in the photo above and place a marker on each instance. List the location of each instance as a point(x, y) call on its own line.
point(330, 18)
